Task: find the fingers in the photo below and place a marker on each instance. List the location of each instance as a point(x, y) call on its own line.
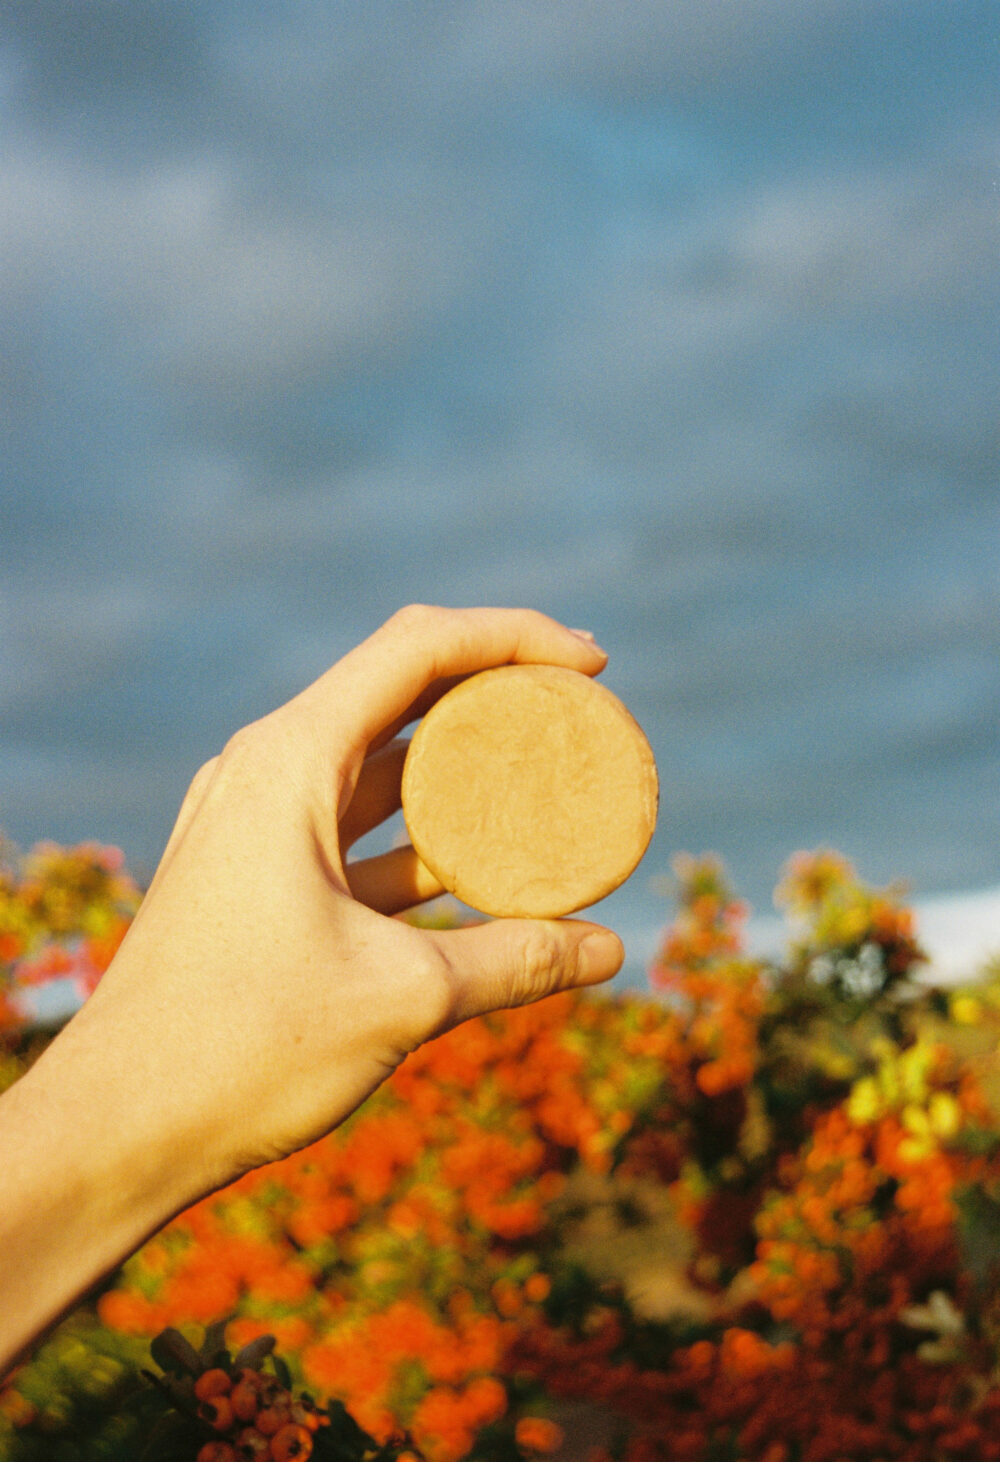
point(385, 680)
point(512, 962)
point(376, 794)
point(392, 881)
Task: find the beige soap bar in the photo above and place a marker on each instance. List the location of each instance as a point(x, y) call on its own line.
point(529, 791)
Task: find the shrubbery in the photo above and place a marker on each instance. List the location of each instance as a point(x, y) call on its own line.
point(754, 1219)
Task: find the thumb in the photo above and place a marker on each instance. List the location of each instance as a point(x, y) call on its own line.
point(510, 962)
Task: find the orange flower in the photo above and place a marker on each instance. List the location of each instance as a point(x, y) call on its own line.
point(130, 1313)
point(537, 1434)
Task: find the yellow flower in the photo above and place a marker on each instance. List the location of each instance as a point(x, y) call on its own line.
point(966, 1010)
point(916, 1120)
point(944, 1114)
point(915, 1066)
point(864, 1103)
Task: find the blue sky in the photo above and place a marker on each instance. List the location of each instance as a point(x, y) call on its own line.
point(678, 321)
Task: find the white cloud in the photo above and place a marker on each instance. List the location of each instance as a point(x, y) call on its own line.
point(836, 244)
point(625, 47)
point(225, 295)
point(62, 638)
point(429, 57)
point(918, 232)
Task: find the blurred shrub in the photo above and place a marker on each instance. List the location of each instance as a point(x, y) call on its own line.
point(811, 1148)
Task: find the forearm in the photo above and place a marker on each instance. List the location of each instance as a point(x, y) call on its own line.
point(84, 1179)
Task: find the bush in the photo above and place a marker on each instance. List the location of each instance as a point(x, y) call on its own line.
point(754, 1217)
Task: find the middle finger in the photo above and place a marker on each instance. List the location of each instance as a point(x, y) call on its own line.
point(377, 793)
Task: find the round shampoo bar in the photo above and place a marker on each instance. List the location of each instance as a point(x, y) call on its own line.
point(529, 791)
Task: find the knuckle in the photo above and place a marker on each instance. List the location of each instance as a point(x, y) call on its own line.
point(542, 963)
point(416, 617)
point(239, 744)
point(235, 757)
point(246, 760)
point(202, 777)
point(270, 735)
point(198, 789)
point(427, 1005)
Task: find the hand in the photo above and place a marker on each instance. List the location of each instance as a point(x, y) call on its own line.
point(280, 999)
point(262, 992)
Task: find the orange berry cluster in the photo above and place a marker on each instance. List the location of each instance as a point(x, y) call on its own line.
point(257, 1418)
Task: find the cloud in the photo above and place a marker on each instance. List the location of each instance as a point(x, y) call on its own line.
point(102, 56)
point(389, 59)
point(257, 278)
point(400, 67)
point(648, 313)
point(642, 45)
point(831, 246)
point(922, 232)
point(62, 639)
point(222, 295)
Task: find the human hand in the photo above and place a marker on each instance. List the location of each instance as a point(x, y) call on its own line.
point(262, 991)
point(272, 1000)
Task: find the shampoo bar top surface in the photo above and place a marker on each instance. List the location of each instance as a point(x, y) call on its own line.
point(529, 791)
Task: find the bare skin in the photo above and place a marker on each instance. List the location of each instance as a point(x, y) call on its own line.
point(263, 991)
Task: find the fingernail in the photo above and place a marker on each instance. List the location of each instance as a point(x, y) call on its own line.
point(585, 635)
point(601, 955)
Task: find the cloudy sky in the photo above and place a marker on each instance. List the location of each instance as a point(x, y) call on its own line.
point(677, 320)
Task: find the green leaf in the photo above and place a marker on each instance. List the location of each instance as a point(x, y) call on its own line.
point(979, 1234)
point(251, 1355)
point(173, 1353)
point(213, 1343)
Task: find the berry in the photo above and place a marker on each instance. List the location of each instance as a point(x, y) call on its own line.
point(292, 1442)
point(269, 1388)
point(251, 1445)
point(244, 1398)
point(218, 1412)
point(217, 1452)
point(215, 1382)
point(272, 1418)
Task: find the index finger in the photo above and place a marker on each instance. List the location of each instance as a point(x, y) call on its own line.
point(385, 680)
